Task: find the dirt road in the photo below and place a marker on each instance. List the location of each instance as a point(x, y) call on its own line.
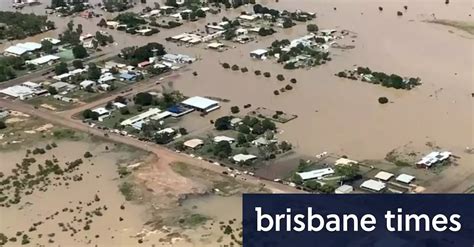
point(166, 156)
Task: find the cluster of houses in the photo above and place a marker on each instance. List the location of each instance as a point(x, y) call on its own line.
point(27, 49)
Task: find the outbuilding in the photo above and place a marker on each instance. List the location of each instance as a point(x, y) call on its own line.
point(258, 54)
point(344, 189)
point(405, 178)
point(384, 176)
point(218, 139)
point(239, 158)
point(193, 143)
point(316, 174)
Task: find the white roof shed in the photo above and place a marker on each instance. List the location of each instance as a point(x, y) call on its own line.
point(373, 185)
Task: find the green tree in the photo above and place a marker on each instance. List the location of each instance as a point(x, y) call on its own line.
point(223, 123)
point(268, 124)
point(61, 68)
point(235, 109)
point(47, 46)
point(78, 64)
point(143, 98)
point(52, 90)
point(312, 28)
point(93, 72)
point(222, 149)
point(297, 179)
point(2, 125)
point(79, 52)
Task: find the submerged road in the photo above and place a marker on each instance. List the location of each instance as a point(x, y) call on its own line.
point(163, 153)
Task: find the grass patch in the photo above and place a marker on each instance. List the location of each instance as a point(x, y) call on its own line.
point(126, 188)
point(193, 220)
point(461, 25)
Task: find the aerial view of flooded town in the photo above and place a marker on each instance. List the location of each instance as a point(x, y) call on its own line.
point(143, 122)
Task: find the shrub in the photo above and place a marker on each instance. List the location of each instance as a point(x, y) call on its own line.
point(258, 72)
point(267, 74)
point(234, 109)
point(2, 125)
point(225, 65)
point(235, 67)
point(280, 77)
point(244, 69)
point(276, 92)
point(288, 87)
point(87, 154)
point(399, 13)
point(312, 28)
point(195, 73)
point(293, 80)
point(383, 100)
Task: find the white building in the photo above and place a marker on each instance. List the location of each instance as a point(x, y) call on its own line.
point(201, 104)
point(384, 176)
point(344, 161)
point(43, 60)
point(19, 91)
point(243, 157)
point(218, 139)
point(405, 178)
point(259, 54)
point(433, 158)
point(140, 117)
point(373, 185)
point(86, 83)
point(14, 51)
point(344, 189)
point(316, 174)
point(193, 143)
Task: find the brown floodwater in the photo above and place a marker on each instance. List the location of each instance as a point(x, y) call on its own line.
point(343, 116)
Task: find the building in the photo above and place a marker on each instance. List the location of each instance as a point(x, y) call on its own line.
point(248, 17)
point(316, 174)
point(32, 85)
point(239, 158)
point(177, 58)
point(193, 143)
point(63, 86)
point(384, 176)
point(218, 139)
point(103, 113)
point(19, 91)
point(344, 189)
point(215, 46)
point(373, 185)
point(119, 105)
point(179, 110)
point(128, 77)
point(15, 51)
point(259, 54)
point(48, 59)
point(262, 141)
point(344, 161)
point(52, 40)
point(433, 158)
point(141, 117)
point(405, 178)
point(201, 104)
point(86, 83)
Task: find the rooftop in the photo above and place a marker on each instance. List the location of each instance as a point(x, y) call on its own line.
point(193, 143)
point(373, 185)
point(200, 102)
point(243, 157)
point(319, 173)
point(385, 176)
point(405, 178)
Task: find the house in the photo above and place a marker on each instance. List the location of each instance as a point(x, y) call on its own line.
point(62, 86)
point(259, 54)
point(218, 139)
point(201, 104)
point(177, 58)
point(119, 105)
point(239, 158)
point(433, 158)
point(373, 185)
point(262, 141)
point(107, 77)
point(248, 17)
point(344, 162)
point(87, 83)
point(141, 117)
point(344, 189)
point(103, 113)
point(32, 85)
point(241, 31)
point(405, 178)
point(384, 176)
point(179, 110)
point(316, 174)
point(104, 87)
point(48, 59)
point(144, 64)
point(30, 46)
point(166, 131)
point(215, 46)
point(128, 77)
point(193, 143)
point(112, 24)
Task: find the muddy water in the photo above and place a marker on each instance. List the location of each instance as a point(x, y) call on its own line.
point(343, 116)
point(100, 179)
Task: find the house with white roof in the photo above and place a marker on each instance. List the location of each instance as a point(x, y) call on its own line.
point(259, 54)
point(86, 83)
point(239, 158)
point(48, 59)
point(344, 189)
point(384, 176)
point(193, 143)
point(316, 174)
point(405, 178)
point(19, 91)
point(218, 139)
point(15, 51)
point(373, 185)
point(432, 158)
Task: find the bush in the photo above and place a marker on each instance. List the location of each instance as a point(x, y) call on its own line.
point(276, 92)
point(234, 109)
point(267, 74)
point(280, 77)
point(293, 80)
point(312, 28)
point(235, 67)
point(383, 100)
point(87, 155)
point(2, 125)
point(399, 13)
point(244, 70)
point(288, 87)
point(258, 72)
